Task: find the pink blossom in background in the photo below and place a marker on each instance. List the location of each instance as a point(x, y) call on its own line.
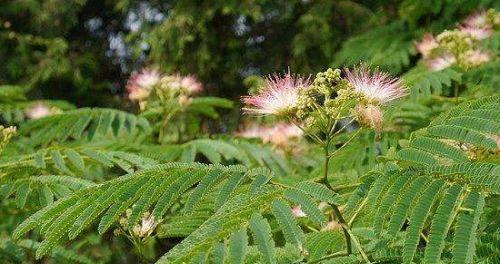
point(278, 135)
point(477, 57)
point(38, 110)
point(191, 84)
point(441, 62)
point(476, 19)
point(141, 83)
point(477, 26)
point(478, 33)
point(426, 45)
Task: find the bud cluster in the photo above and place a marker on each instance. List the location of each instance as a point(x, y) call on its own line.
point(6, 134)
point(329, 96)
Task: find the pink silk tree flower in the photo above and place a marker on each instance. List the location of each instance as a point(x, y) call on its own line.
point(426, 45)
point(254, 131)
point(141, 83)
point(278, 97)
point(191, 84)
point(477, 57)
point(441, 62)
point(376, 86)
point(476, 19)
point(278, 135)
point(281, 134)
point(478, 33)
point(477, 26)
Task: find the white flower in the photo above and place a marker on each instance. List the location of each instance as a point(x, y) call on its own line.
point(191, 84)
point(297, 212)
point(38, 110)
point(146, 227)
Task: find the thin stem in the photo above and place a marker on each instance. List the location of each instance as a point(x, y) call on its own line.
point(336, 209)
point(325, 168)
point(312, 136)
point(342, 128)
point(358, 245)
point(347, 142)
point(424, 238)
point(357, 212)
point(333, 255)
point(164, 124)
point(346, 186)
point(345, 228)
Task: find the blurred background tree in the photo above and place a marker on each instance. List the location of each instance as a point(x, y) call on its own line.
point(83, 50)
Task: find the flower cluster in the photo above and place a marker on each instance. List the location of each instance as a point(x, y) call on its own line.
point(461, 45)
point(329, 98)
point(147, 84)
point(178, 84)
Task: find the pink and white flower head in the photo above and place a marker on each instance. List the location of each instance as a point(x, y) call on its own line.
point(281, 134)
point(38, 110)
point(191, 84)
point(376, 86)
point(147, 226)
point(427, 44)
point(297, 212)
point(141, 83)
point(477, 57)
point(478, 33)
point(476, 19)
point(477, 26)
point(441, 62)
point(278, 97)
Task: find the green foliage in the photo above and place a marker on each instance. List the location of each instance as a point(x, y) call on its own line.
point(84, 123)
point(388, 47)
point(443, 186)
point(171, 185)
